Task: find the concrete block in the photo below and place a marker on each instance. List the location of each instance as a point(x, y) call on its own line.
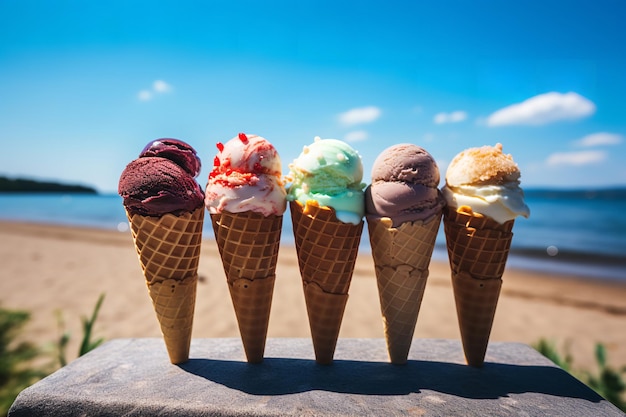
point(133, 377)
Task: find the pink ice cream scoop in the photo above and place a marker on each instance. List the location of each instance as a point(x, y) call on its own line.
point(246, 176)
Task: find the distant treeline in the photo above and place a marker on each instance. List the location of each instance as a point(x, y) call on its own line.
point(21, 185)
point(617, 193)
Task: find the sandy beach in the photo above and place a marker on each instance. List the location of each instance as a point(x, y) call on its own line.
point(45, 269)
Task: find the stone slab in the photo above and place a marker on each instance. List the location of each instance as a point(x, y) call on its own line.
point(133, 377)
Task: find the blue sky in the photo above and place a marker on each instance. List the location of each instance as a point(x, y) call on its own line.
point(85, 85)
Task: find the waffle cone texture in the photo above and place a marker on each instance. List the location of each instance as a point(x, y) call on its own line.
point(168, 248)
point(478, 249)
point(401, 257)
point(248, 243)
point(327, 250)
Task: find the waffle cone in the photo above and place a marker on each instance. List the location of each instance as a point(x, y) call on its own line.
point(168, 248)
point(401, 257)
point(174, 301)
point(477, 244)
point(476, 302)
point(252, 300)
point(327, 250)
point(248, 243)
point(325, 311)
point(478, 249)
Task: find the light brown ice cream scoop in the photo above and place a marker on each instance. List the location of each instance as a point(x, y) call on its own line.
point(486, 165)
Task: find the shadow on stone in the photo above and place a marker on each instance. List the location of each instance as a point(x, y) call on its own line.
point(281, 376)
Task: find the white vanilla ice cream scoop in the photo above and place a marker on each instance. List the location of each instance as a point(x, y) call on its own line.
point(486, 180)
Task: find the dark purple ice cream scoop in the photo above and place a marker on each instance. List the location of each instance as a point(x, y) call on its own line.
point(175, 150)
point(153, 186)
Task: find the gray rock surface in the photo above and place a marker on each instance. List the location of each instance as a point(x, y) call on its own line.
point(133, 377)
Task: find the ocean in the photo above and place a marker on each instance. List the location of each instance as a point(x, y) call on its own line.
point(573, 233)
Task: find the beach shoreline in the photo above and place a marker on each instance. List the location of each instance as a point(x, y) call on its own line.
point(542, 243)
point(49, 268)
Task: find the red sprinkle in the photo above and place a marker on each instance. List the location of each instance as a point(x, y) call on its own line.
point(243, 137)
point(220, 146)
point(216, 162)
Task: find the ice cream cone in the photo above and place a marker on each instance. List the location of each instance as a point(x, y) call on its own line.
point(476, 302)
point(478, 248)
point(401, 257)
point(327, 250)
point(174, 302)
point(169, 251)
point(248, 243)
point(325, 311)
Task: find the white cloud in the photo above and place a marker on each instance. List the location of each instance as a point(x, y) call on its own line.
point(144, 95)
point(356, 136)
point(576, 158)
point(360, 115)
point(543, 109)
point(428, 137)
point(442, 165)
point(158, 87)
point(161, 86)
point(599, 139)
point(454, 117)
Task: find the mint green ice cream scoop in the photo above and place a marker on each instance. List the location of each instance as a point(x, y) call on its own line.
point(329, 171)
